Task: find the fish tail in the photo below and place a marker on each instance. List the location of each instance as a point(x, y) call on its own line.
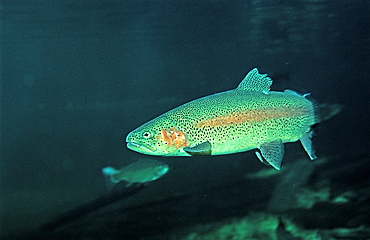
point(108, 173)
point(326, 111)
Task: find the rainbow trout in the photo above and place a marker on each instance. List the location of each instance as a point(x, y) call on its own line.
point(248, 117)
point(142, 171)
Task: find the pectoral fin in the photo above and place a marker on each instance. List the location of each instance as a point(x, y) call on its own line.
point(202, 149)
point(272, 152)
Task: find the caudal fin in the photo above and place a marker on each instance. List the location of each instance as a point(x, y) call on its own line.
point(326, 111)
point(110, 182)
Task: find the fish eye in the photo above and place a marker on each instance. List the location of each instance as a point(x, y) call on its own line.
point(146, 135)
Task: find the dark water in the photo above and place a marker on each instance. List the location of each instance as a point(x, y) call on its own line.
point(77, 76)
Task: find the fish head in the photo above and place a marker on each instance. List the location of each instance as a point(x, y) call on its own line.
point(159, 137)
point(160, 171)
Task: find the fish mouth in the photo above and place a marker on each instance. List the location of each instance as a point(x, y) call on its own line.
point(142, 147)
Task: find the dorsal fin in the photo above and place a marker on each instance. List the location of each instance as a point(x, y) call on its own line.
point(255, 81)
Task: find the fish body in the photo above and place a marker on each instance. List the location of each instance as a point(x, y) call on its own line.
point(142, 171)
point(248, 117)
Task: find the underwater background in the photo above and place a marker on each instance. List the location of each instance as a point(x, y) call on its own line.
point(77, 76)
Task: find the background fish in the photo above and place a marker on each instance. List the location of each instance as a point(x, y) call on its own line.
point(248, 117)
point(142, 171)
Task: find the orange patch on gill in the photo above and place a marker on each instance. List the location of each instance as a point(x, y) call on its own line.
point(174, 137)
point(250, 116)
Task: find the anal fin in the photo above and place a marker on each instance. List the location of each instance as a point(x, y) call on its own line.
point(307, 145)
point(272, 152)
